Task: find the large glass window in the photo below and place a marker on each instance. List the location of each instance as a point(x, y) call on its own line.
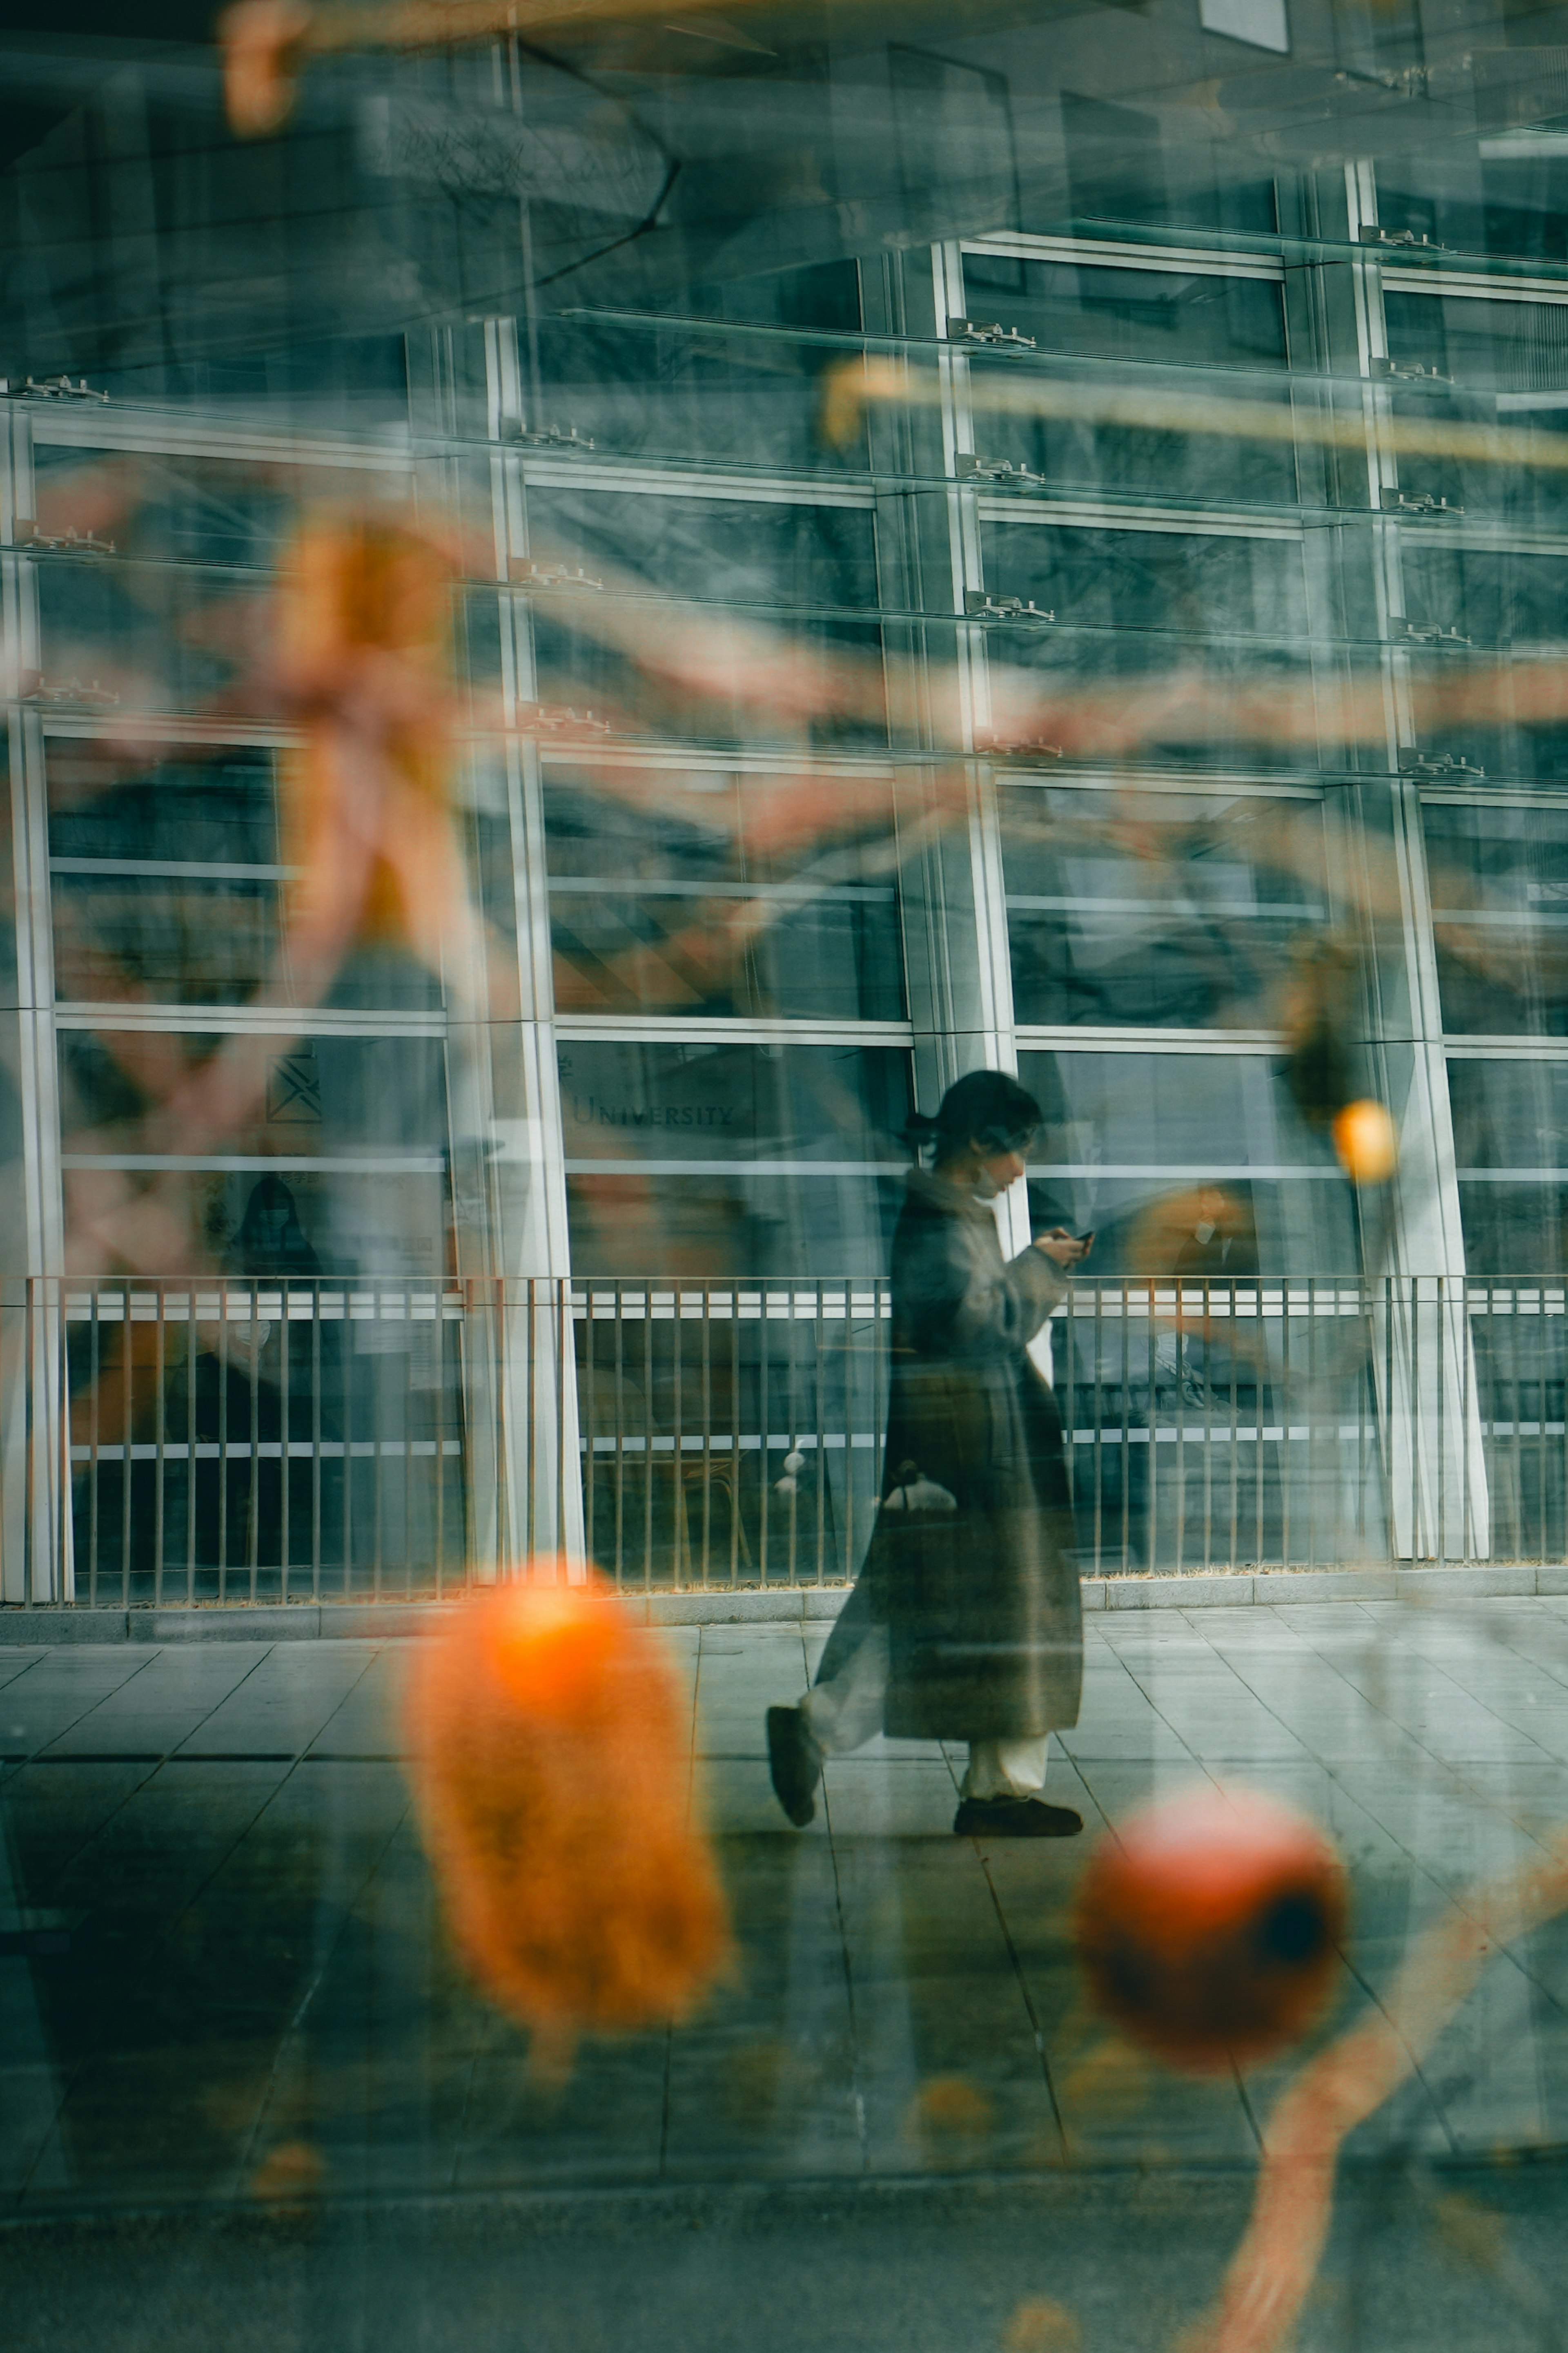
point(706, 1161)
point(1511, 1145)
point(1507, 365)
point(705, 891)
point(1186, 1164)
point(355, 1127)
point(1498, 881)
point(1123, 320)
point(1155, 909)
point(740, 385)
point(167, 886)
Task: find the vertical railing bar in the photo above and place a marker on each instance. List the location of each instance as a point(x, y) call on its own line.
point(350, 1401)
point(253, 1510)
point(822, 1426)
point(1287, 1407)
point(127, 1361)
point(847, 1552)
point(705, 1385)
point(1261, 1413)
point(223, 1465)
point(1442, 1421)
point(1125, 1385)
point(648, 1418)
point(737, 1414)
point(680, 1557)
point(160, 1437)
point(620, 1333)
point(193, 1360)
point(590, 1357)
point(438, 1416)
point(285, 1433)
point(765, 1346)
point(1207, 1425)
point(566, 1385)
point(1234, 1439)
point(1181, 1431)
point(315, 1441)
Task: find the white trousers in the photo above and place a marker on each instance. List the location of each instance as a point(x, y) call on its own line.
point(846, 1712)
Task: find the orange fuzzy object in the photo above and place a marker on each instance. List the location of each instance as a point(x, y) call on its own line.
point(1365, 1142)
point(1208, 1925)
point(554, 1774)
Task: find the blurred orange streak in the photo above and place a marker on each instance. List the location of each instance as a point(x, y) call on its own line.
point(553, 1771)
point(1276, 2263)
point(267, 42)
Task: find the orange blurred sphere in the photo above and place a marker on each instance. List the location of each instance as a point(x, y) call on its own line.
point(1365, 1141)
point(552, 1765)
point(1208, 1925)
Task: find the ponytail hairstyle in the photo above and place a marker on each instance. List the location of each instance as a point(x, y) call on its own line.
point(987, 1108)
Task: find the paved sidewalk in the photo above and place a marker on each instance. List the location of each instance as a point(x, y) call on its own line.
point(221, 1975)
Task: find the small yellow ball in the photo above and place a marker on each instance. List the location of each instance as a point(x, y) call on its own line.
point(1365, 1142)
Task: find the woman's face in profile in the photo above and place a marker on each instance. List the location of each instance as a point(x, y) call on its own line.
point(1000, 1169)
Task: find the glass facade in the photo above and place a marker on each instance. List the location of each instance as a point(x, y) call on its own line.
point(999, 584)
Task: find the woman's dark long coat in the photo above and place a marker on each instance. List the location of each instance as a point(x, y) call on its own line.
point(980, 1597)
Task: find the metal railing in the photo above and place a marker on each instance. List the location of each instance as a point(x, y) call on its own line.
point(234, 1439)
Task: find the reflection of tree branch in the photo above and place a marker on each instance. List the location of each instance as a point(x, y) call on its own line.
point(1277, 2261)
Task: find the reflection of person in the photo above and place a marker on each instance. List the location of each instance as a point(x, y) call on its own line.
point(965, 1623)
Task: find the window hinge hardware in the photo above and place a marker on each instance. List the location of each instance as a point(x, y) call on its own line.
point(1407, 372)
point(973, 468)
point(979, 604)
point(66, 694)
point(1440, 767)
point(524, 573)
point(1015, 748)
point(1409, 240)
point(1424, 633)
point(69, 541)
point(560, 718)
point(50, 388)
point(994, 336)
point(552, 436)
point(1418, 502)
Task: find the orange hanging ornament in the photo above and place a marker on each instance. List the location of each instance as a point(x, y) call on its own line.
point(1208, 1925)
point(554, 1774)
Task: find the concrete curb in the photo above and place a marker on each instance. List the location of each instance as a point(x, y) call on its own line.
point(380, 1621)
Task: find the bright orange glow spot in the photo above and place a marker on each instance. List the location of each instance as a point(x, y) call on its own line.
point(1365, 1141)
point(1208, 1925)
point(554, 1774)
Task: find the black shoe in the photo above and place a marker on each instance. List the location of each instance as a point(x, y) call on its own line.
point(1014, 1817)
point(795, 1760)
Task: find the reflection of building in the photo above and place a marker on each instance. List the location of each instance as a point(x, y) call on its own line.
point(758, 890)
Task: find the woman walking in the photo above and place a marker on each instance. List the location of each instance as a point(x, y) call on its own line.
point(965, 1623)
